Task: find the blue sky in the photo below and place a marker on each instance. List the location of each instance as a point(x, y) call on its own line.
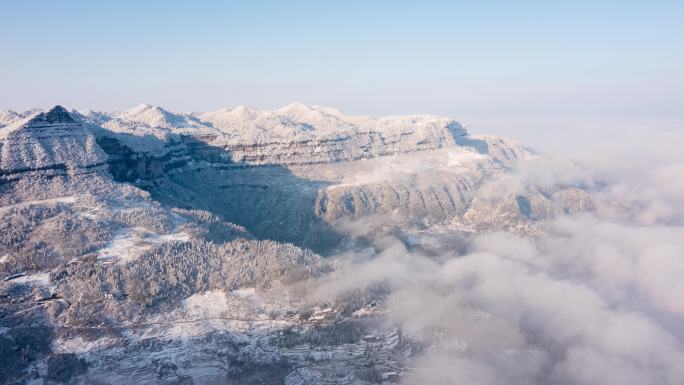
point(490, 64)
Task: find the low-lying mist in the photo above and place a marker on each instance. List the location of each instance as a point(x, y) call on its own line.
point(594, 298)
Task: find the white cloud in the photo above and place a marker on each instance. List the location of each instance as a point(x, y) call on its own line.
point(597, 299)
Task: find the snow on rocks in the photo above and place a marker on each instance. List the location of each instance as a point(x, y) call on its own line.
point(38, 278)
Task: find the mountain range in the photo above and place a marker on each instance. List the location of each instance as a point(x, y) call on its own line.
point(147, 246)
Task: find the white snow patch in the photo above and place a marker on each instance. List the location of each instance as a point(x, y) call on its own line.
point(365, 311)
point(90, 215)
point(201, 313)
point(40, 278)
point(208, 304)
point(176, 237)
point(41, 202)
point(69, 199)
point(79, 345)
point(127, 246)
point(4, 258)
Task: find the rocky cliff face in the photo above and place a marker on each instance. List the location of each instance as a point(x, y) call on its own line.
point(310, 175)
point(299, 174)
point(307, 175)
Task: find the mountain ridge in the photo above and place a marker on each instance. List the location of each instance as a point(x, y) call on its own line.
point(157, 247)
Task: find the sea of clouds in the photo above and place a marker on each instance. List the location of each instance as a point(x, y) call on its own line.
point(597, 299)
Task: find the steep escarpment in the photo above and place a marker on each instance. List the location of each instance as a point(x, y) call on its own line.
point(307, 175)
point(345, 146)
point(143, 168)
point(311, 175)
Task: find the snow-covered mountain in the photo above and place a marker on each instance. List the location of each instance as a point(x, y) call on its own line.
point(290, 135)
point(156, 247)
point(8, 117)
point(148, 116)
point(49, 143)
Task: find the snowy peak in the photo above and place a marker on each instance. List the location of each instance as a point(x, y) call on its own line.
point(51, 143)
point(146, 116)
point(294, 109)
point(8, 117)
point(317, 122)
point(248, 124)
point(251, 124)
point(154, 116)
point(95, 116)
point(243, 111)
point(141, 107)
point(233, 114)
point(57, 114)
point(145, 110)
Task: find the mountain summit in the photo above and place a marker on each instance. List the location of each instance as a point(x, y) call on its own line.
point(56, 114)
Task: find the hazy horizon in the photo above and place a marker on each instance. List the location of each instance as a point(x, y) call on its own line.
point(494, 66)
